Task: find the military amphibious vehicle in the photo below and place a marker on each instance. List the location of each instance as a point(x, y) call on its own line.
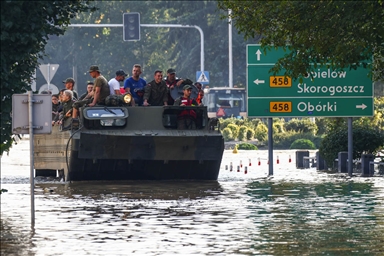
point(125, 143)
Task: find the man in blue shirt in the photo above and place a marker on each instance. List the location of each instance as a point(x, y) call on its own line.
point(135, 85)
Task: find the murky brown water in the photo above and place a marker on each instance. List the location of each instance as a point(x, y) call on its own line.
point(295, 212)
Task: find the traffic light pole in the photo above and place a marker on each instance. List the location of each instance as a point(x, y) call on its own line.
point(156, 26)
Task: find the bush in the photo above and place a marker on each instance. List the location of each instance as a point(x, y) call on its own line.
point(255, 122)
point(225, 122)
point(243, 133)
point(247, 146)
point(250, 134)
point(278, 125)
point(261, 132)
point(365, 140)
point(304, 125)
point(234, 129)
point(227, 134)
point(285, 140)
point(302, 144)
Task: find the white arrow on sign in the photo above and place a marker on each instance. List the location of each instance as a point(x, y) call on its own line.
point(258, 53)
point(257, 81)
point(362, 106)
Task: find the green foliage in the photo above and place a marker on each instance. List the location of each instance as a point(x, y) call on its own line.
point(301, 125)
point(261, 132)
point(224, 122)
point(278, 125)
point(227, 134)
point(302, 144)
point(255, 122)
point(242, 133)
point(25, 29)
point(285, 140)
point(365, 140)
point(310, 31)
point(247, 146)
point(234, 129)
point(322, 124)
point(250, 134)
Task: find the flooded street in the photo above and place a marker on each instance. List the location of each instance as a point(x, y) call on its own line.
point(295, 212)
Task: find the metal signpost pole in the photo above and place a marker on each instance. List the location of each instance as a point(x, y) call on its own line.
point(350, 147)
point(230, 71)
point(270, 146)
point(31, 146)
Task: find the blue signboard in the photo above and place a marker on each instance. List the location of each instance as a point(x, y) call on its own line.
point(202, 77)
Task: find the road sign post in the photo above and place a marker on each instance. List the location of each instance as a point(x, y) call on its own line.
point(331, 93)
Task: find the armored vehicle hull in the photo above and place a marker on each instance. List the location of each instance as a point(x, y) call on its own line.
point(140, 143)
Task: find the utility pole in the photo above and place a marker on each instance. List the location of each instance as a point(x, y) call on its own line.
point(230, 64)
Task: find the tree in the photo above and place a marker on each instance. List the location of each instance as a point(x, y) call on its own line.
point(342, 34)
point(158, 48)
point(25, 30)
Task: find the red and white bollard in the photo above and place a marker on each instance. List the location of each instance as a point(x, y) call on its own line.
point(289, 159)
point(238, 168)
point(259, 161)
point(241, 164)
point(250, 162)
point(277, 160)
point(230, 167)
point(245, 170)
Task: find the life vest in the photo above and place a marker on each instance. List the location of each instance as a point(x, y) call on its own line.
point(189, 112)
point(198, 99)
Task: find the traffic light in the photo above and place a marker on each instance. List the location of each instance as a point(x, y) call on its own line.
point(131, 26)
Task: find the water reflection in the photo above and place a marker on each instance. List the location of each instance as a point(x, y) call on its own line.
point(329, 218)
point(295, 212)
point(128, 190)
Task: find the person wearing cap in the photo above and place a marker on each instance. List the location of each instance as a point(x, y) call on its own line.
point(135, 85)
point(187, 118)
point(69, 85)
point(172, 81)
point(100, 92)
point(156, 92)
point(114, 83)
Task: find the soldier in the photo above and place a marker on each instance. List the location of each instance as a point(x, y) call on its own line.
point(156, 92)
point(100, 92)
point(172, 81)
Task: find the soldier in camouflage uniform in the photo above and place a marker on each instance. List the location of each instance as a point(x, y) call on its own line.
point(156, 92)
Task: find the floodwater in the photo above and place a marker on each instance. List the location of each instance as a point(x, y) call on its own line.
point(294, 212)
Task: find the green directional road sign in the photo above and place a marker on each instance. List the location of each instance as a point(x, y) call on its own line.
point(349, 83)
point(255, 55)
point(339, 88)
point(310, 107)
